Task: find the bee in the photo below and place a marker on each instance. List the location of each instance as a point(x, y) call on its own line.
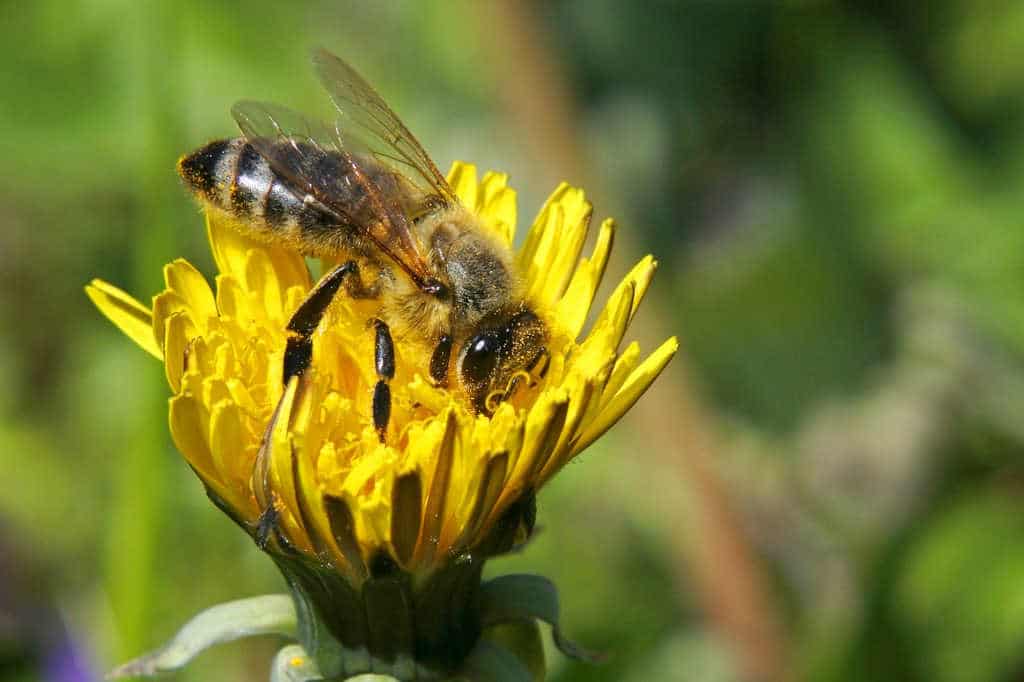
point(363, 191)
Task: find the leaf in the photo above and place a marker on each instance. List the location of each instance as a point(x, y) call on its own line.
point(271, 614)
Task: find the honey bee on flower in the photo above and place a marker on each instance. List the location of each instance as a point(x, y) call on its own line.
point(365, 193)
point(395, 419)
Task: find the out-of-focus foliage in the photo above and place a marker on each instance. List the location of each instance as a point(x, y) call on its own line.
point(834, 190)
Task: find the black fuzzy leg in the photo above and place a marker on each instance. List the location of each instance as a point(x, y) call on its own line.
point(384, 363)
point(440, 359)
point(299, 351)
point(266, 525)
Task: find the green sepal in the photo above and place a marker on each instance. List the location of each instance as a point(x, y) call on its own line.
point(271, 614)
point(520, 597)
point(331, 657)
point(490, 662)
point(523, 639)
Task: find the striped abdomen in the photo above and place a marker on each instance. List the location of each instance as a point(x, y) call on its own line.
point(232, 176)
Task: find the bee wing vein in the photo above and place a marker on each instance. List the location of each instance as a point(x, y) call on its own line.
point(298, 148)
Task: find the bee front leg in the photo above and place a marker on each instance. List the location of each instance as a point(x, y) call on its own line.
point(384, 364)
point(439, 360)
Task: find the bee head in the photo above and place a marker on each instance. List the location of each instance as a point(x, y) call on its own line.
point(505, 343)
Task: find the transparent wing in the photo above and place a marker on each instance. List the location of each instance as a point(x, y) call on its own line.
point(314, 159)
point(365, 113)
point(305, 153)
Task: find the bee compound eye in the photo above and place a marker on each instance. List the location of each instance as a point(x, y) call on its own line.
point(480, 357)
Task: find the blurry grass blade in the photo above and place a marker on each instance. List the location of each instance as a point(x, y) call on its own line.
point(272, 614)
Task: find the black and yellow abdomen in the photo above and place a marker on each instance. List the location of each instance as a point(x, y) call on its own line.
point(232, 176)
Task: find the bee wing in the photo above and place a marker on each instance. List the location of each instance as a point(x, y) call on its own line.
point(370, 118)
point(315, 159)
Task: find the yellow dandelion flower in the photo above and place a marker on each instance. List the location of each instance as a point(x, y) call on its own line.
point(398, 529)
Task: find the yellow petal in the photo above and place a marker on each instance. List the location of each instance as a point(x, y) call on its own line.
point(367, 490)
point(497, 205)
point(293, 298)
point(544, 426)
point(317, 519)
point(187, 419)
point(421, 392)
point(574, 306)
point(341, 520)
point(166, 304)
point(232, 299)
point(560, 266)
point(554, 243)
point(224, 361)
point(127, 314)
point(264, 285)
point(462, 178)
point(179, 331)
point(406, 515)
point(282, 465)
point(541, 226)
point(602, 249)
point(624, 366)
point(231, 249)
point(442, 439)
point(227, 440)
point(584, 396)
point(373, 518)
point(641, 276)
point(291, 268)
point(183, 279)
point(612, 323)
point(228, 244)
point(242, 396)
point(484, 493)
point(632, 389)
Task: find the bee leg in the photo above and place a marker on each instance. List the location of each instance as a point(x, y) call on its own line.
point(439, 360)
point(297, 355)
point(299, 351)
point(384, 363)
point(266, 526)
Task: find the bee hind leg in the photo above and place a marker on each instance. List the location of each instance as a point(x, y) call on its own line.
point(298, 354)
point(299, 351)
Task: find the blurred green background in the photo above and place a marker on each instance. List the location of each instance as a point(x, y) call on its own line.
point(827, 483)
